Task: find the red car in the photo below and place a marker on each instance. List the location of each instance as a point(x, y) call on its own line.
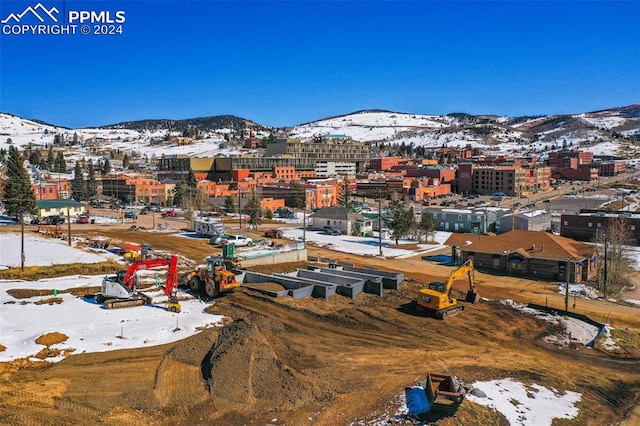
point(83, 219)
point(273, 233)
point(169, 214)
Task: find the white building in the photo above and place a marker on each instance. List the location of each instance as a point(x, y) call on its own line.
point(331, 169)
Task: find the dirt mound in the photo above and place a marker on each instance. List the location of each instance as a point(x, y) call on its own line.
point(51, 339)
point(243, 368)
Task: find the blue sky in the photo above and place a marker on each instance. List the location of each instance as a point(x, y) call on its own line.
point(285, 63)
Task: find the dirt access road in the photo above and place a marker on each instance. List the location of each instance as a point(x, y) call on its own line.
point(334, 362)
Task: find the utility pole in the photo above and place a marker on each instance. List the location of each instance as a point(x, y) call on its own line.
point(605, 267)
point(566, 293)
point(22, 254)
point(239, 205)
point(304, 219)
point(69, 225)
point(380, 224)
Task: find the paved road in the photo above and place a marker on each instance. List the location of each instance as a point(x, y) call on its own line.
point(558, 203)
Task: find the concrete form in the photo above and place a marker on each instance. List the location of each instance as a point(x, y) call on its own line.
point(390, 280)
point(321, 289)
point(373, 283)
point(294, 288)
point(346, 286)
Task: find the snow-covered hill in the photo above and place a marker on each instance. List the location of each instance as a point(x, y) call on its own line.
point(614, 131)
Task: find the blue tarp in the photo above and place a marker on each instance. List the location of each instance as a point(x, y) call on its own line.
point(417, 402)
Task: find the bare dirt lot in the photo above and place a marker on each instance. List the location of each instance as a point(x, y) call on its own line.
point(330, 362)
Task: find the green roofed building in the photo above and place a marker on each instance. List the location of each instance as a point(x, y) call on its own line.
point(60, 207)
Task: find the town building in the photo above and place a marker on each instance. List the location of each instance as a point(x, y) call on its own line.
point(342, 218)
point(475, 221)
point(531, 254)
point(587, 224)
point(536, 220)
point(65, 207)
point(326, 169)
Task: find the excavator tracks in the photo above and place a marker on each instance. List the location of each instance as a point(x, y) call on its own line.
point(139, 300)
point(446, 313)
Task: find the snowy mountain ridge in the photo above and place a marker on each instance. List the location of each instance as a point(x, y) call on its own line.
point(615, 131)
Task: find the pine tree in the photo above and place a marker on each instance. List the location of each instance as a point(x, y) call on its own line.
point(230, 204)
point(92, 184)
point(125, 161)
point(78, 184)
point(253, 209)
point(18, 198)
point(50, 159)
point(179, 193)
point(298, 194)
point(345, 195)
point(192, 182)
point(427, 224)
point(35, 158)
point(402, 220)
point(106, 167)
point(60, 165)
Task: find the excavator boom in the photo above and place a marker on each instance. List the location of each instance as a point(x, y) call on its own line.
point(437, 300)
point(116, 294)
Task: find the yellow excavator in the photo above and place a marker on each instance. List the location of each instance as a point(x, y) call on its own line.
point(436, 300)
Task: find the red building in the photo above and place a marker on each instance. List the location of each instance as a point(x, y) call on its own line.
point(383, 163)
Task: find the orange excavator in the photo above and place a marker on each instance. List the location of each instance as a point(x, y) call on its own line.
point(121, 290)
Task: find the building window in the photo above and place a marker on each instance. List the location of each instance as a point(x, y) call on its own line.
point(599, 225)
point(590, 225)
point(565, 223)
point(459, 217)
point(633, 227)
point(496, 261)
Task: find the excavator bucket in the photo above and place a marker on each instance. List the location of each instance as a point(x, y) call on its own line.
point(472, 297)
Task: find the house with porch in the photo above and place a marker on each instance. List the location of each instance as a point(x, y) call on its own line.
point(342, 218)
point(531, 254)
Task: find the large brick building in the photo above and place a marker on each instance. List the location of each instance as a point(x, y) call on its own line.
point(584, 226)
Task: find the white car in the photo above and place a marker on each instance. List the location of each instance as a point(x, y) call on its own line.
point(237, 240)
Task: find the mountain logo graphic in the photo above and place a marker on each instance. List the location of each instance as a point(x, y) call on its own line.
point(38, 11)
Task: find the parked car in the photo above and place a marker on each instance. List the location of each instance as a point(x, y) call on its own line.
point(130, 214)
point(330, 230)
point(54, 220)
point(217, 239)
point(237, 240)
point(273, 233)
point(170, 213)
point(83, 219)
point(154, 207)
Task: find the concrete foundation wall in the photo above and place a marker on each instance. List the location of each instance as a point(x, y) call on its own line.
point(390, 280)
point(279, 257)
point(373, 284)
point(321, 289)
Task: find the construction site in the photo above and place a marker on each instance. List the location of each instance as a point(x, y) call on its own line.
point(330, 338)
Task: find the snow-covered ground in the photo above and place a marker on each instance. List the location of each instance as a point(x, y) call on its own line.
point(576, 331)
point(88, 326)
point(43, 252)
point(527, 405)
point(520, 404)
point(367, 246)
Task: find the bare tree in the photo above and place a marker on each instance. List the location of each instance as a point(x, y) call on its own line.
point(613, 244)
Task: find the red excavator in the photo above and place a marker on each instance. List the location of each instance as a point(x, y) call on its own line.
point(121, 290)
